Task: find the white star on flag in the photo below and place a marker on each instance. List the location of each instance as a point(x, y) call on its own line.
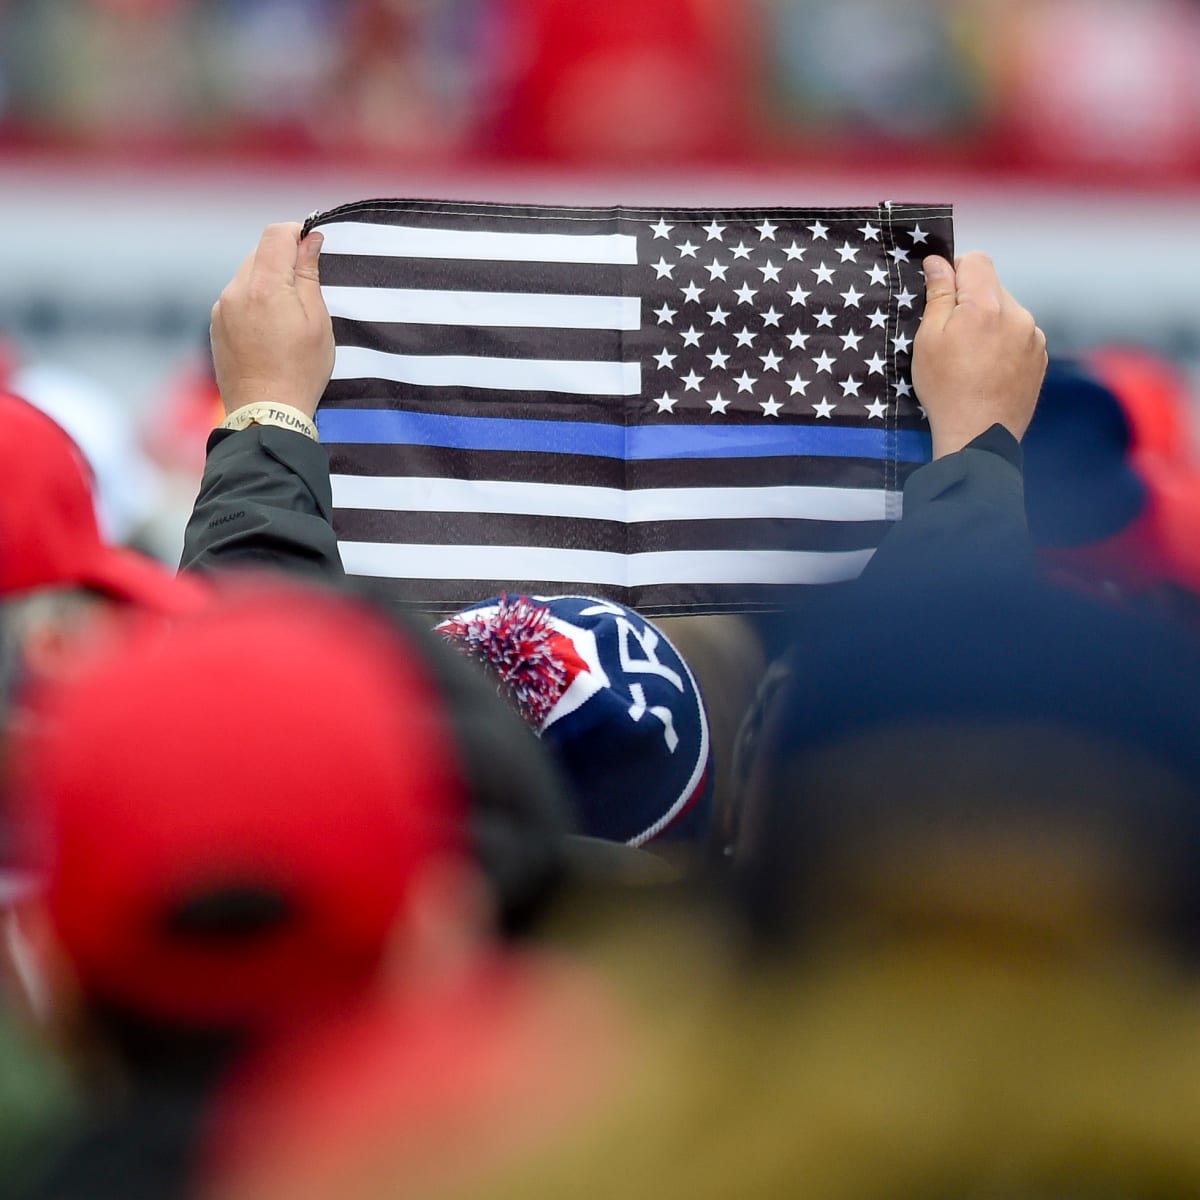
point(666, 403)
point(798, 384)
point(716, 269)
point(879, 319)
point(715, 232)
point(877, 410)
point(819, 231)
point(798, 295)
point(797, 340)
point(851, 386)
point(766, 230)
point(902, 343)
point(718, 403)
point(878, 275)
point(691, 336)
point(899, 255)
point(770, 272)
point(771, 317)
point(662, 229)
point(691, 381)
point(851, 298)
point(741, 250)
point(794, 252)
point(824, 363)
point(692, 293)
point(876, 365)
point(918, 235)
point(825, 319)
point(745, 294)
point(718, 358)
point(823, 273)
point(745, 338)
point(824, 409)
point(869, 232)
point(771, 407)
point(745, 383)
point(665, 360)
point(717, 316)
point(688, 250)
point(770, 361)
point(905, 299)
point(665, 315)
point(848, 253)
point(664, 268)
point(851, 340)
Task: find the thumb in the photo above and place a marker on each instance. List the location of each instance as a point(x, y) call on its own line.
point(308, 269)
point(941, 290)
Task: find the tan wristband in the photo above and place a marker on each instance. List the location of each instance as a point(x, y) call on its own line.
point(283, 415)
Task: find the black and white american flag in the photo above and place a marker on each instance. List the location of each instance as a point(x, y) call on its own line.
point(685, 410)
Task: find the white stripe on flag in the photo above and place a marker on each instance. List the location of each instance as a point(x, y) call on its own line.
point(386, 560)
point(381, 493)
point(506, 374)
point(484, 309)
point(401, 241)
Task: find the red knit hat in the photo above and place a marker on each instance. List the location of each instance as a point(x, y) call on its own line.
point(257, 874)
point(48, 531)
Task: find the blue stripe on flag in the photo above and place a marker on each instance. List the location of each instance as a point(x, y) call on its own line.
point(375, 427)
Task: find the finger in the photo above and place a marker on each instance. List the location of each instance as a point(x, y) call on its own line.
point(940, 292)
point(277, 251)
point(978, 283)
point(308, 268)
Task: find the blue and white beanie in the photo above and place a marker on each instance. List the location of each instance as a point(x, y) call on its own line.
point(614, 701)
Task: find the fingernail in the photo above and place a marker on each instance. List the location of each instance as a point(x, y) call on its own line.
point(937, 267)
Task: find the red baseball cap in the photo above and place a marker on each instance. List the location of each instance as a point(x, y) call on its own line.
point(254, 875)
point(48, 531)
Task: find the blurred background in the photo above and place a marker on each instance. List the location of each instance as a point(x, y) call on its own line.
point(144, 143)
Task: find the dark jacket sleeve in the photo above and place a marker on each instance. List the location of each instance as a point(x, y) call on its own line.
point(968, 506)
point(265, 503)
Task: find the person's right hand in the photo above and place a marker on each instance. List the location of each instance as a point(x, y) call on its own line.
point(272, 338)
point(979, 357)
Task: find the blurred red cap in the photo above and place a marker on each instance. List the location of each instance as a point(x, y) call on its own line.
point(48, 531)
point(1156, 399)
point(254, 875)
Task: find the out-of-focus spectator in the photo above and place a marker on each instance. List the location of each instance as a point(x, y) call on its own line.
point(267, 887)
point(1113, 484)
point(625, 80)
point(95, 71)
point(1050, 85)
point(854, 68)
point(63, 587)
point(1107, 82)
point(126, 485)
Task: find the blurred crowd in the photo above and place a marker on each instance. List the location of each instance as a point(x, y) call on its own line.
point(894, 893)
point(1056, 85)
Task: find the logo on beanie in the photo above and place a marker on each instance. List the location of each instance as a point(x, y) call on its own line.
point(611, 697)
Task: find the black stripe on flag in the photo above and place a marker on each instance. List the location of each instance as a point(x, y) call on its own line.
point(586, 345)
point(435, 462)
point(470, 529)
point(439, 596)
